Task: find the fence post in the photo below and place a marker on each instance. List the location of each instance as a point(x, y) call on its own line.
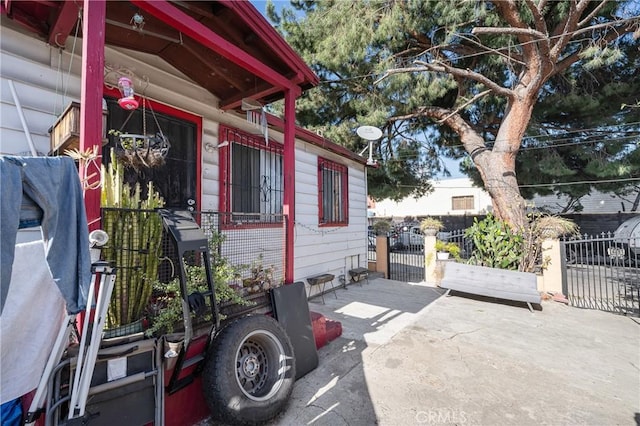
point(431, 275)
point(382, 255)
point(552, 274)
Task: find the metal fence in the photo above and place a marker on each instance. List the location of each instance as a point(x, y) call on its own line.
point(371, 247)
point(139, 247)
point(602, 272)
point(458, 237)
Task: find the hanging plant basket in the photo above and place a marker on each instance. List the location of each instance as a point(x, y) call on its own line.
point(142, 151)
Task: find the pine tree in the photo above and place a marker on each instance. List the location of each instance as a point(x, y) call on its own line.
point(474, 79)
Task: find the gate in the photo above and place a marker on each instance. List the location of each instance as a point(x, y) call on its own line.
point(406, 257)
point(602, 272)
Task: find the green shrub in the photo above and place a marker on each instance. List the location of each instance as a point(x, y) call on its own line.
point(452, 248)
point(495, 244)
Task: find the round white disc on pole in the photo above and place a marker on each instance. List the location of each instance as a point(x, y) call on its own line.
point(369, 133)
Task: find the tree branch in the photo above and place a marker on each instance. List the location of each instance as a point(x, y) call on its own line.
point(472, 141)
point(538, 19)
point(627, 24)
point(510, 56)
point(508, 10)
point(511, 31)
point(593, 13)
point(461, 107)
point(471, 75)
point(564, 31)
point(574, 57)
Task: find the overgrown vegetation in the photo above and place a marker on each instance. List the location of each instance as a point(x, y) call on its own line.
point(134, 243)
point(495, 244)
point(165, 310)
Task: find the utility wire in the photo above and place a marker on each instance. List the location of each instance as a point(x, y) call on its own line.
point(544, 185)
point(624, 139)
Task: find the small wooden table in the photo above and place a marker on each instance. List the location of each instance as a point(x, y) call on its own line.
point(358, 274)
point(321, 280)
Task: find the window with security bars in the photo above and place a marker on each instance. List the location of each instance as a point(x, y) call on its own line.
point(252, 176)
point(332, 193)
point(462, 203)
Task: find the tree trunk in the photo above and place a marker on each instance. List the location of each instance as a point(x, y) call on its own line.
point(501, 184)
point(498, 166)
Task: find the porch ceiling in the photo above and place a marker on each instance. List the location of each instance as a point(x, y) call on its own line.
point(237, 22)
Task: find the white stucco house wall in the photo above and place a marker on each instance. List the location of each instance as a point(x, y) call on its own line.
point(449, 197)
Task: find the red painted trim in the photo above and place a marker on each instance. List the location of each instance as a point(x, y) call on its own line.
point(289, 171)
point(223, 172)
point(192, 28)
point(160, 107)
point(233, 135)
point(180, 115)
point(93, 28)
point(259, 25)
point(326, 164)
point(317, 140)
point(236, 102)
point(66, 19)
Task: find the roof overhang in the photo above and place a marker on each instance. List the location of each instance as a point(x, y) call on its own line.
point(225, 46)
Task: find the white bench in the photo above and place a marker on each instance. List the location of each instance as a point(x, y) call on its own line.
point(491, 282)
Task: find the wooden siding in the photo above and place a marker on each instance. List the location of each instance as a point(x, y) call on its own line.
point(321, 250)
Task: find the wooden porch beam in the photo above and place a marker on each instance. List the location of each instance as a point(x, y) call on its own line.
point(194, 29)
point(93, 30)
point(201, 55)
point(236, 101)
point(66, 19)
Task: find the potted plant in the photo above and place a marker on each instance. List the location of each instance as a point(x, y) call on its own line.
point(445, 249)
point(431, 225)
point(135, 235)
point(382, 227)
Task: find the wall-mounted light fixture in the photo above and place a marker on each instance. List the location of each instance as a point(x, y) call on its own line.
point(209, 147)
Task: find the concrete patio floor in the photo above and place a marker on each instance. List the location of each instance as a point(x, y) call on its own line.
point(408, 356)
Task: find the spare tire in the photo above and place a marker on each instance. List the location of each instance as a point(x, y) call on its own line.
point(249, 372)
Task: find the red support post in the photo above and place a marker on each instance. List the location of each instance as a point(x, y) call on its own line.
point(93, 30)
point(289, 167)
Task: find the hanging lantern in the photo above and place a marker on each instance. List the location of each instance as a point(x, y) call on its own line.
point(127, 101)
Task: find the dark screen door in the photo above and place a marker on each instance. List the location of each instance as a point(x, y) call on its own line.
point(175, 180)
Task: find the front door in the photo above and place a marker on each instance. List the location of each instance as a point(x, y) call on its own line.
point(175, 179)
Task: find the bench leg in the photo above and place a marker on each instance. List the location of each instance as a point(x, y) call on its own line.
point(447, 293)
point(319, 289)
point(530, 307)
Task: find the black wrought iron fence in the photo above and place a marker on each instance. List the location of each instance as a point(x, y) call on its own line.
point(458, 237)
point(603, 272)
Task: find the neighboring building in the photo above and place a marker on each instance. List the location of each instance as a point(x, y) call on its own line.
point(194, 74)
point(449, 197)
point(594, 203)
